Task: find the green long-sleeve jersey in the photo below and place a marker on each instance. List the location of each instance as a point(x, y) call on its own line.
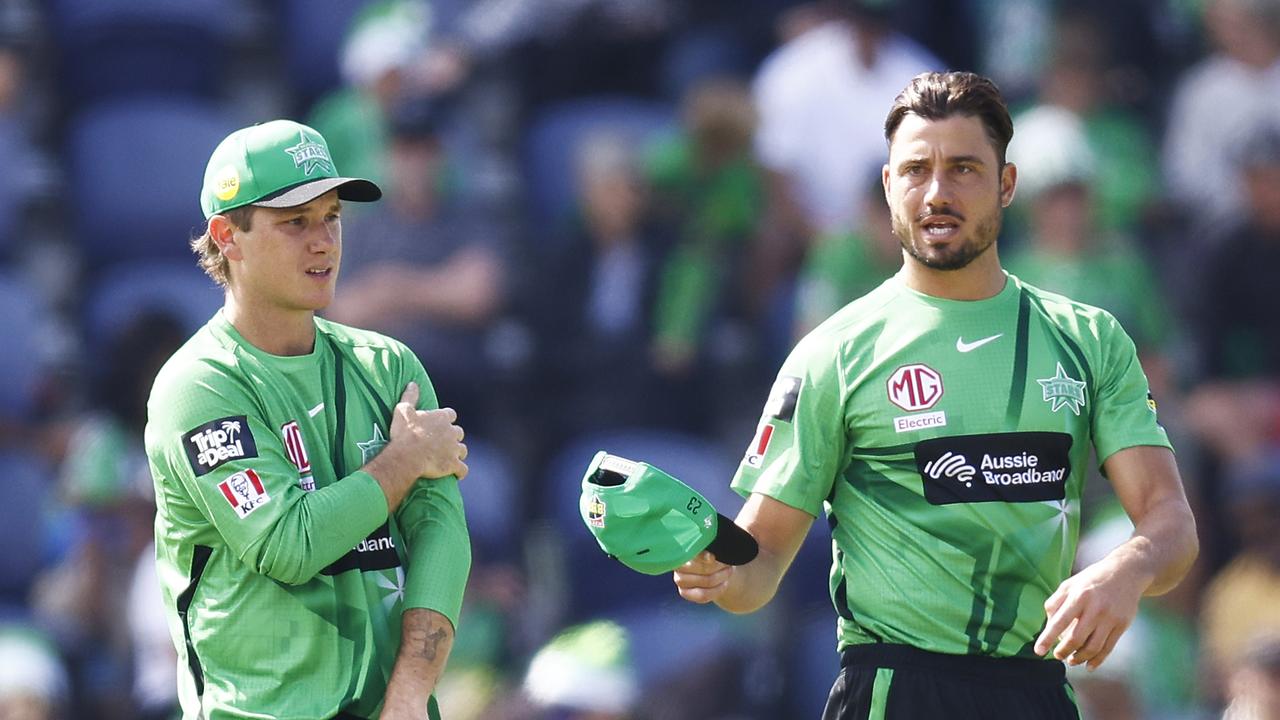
point(283, 574)
point(947, 443)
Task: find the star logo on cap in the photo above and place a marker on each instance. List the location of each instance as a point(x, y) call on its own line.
point(310, 156)
point(1062, 390)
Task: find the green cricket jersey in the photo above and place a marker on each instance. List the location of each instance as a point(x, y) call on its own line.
point(948, 442)
point(283, 575)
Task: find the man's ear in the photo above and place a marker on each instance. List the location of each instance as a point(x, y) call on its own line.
point(223, 233)
point(1008, 183)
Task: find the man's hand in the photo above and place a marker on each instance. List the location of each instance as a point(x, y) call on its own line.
point(429, 437)
point(1090, 611)
point(703, 579)
point(424, 443)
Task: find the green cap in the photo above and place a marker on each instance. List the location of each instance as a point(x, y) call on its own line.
point(276, 164)
point(652, 522)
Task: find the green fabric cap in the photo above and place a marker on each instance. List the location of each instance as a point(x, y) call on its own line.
point(276, 164)
point(652, 522)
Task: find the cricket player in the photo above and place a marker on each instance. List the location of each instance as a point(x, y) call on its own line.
point(310, 538)
point(943, 423)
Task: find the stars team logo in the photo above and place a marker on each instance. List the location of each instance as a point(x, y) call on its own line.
point(310, 156)
point(370, 448)
point(1062, 390)
point(595, 511)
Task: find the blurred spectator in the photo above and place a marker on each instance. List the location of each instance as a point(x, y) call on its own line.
point(1238, 410)
point(841, 267)
point(106, 485)
point(427, 267)
point(1080, 77)
point(590, 300)
point(27, 173)
point(584, 673)
point(1254, 688)
point(155, 662)
point(1065, 251)
point(1242, 603)
point(1217, 101)
point(708, 191)
point(386, 40)
point(558, 49)
point(821, 98)
point(33, 682)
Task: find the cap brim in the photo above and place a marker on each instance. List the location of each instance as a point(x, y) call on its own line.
point(733, 545)
point(354, 189)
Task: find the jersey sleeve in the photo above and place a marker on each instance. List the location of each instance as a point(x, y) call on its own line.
point(208, 437)
point(434, 528)
point(796, 452)
point(1125, 412)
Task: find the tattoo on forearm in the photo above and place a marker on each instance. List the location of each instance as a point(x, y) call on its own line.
point(425, 642)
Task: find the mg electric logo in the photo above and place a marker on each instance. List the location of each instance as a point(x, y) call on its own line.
point(915, 387)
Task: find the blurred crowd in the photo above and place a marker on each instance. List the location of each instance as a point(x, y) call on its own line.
point(605, 224)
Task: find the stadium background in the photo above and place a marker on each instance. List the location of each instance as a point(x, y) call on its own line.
point(607, 222)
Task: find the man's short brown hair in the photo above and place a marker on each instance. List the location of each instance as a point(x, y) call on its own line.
point(212, 261)
point(938, 96)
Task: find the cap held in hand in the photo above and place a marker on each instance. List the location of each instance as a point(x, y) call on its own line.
point(652, 522)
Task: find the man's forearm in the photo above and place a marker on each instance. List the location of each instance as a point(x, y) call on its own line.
point(426, 639)
point(754, 584)
point(1163, 546)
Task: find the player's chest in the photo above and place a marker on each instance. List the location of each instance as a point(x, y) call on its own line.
point(327, 428)
point(955, 383)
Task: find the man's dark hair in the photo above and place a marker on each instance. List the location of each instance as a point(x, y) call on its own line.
point(938, 96)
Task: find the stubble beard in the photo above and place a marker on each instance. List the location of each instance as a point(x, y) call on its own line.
point(956, 256)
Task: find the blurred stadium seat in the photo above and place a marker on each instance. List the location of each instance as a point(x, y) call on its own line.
point(27, 486)
point(599, 582)
point(128, 48)
point(314, 31)
point(135, 173)
point(22, 320)
point(549, 146)
point(123, 293)
point(491, 492)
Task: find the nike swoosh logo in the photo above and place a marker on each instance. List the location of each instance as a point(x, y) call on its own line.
point(315, 410)
point(965, 347)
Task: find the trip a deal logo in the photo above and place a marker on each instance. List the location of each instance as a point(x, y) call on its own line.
point(999, 467)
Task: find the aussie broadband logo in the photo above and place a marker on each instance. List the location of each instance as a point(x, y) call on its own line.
point(217, 442)
point(375, 552)
point(1001, 467)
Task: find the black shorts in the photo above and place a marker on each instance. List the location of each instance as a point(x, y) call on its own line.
point(898, 682)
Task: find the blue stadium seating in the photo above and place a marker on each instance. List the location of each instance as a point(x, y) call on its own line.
point(548, 153)
point(124, 292)
point(313, 33)
point(27, 489)
point(111, 49)
point(22, 321)
point(491, 492)
point(135, 175)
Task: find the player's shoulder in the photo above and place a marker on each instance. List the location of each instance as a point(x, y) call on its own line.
point(1072, 316)
point(205, 362)
point(847, 327)
point(354, 337)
